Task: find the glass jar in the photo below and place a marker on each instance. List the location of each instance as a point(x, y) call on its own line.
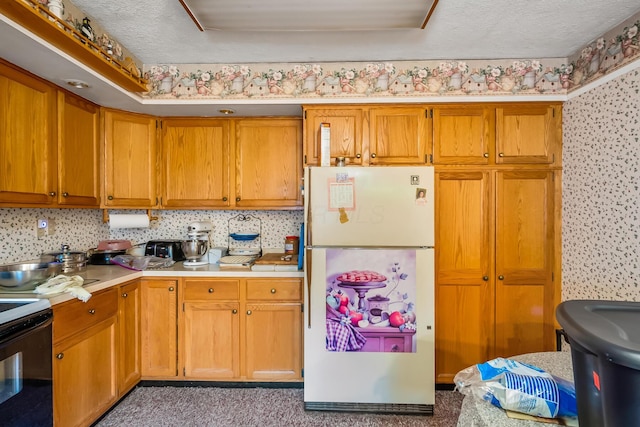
point(291, 245)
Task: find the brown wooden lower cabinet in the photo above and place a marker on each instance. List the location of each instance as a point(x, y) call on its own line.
point(228, 329)
point(85, 361)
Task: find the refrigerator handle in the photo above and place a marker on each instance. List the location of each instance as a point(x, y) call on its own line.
point(308, 277)
point(308, 226)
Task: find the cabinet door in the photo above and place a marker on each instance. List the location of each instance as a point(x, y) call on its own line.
point(78, 171)
point(85, 375)
point(464, 285)
point(211, 348)
point(461, 135)
point(195, 163)
point(274, 341)
point(524, 248)
point(527, 133)
point(398, 136)
point(159, 328)
point(346, 134)
point(129, 337)
point(28, 161)
point(130, 160)
point(268, 162)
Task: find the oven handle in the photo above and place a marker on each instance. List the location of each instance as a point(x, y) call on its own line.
point(18, 330)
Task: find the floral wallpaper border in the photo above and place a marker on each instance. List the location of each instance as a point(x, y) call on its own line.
point(614, 49)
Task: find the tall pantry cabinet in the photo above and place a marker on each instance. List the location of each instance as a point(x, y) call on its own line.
point(497, 233)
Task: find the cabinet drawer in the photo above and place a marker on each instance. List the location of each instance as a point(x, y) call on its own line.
point(211, 289)
point(75, 316)
point(276, 290)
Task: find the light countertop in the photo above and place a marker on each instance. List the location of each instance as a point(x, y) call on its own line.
point(99, 277)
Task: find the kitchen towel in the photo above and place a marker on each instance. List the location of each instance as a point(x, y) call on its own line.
point(128, 221)
point(62, 283)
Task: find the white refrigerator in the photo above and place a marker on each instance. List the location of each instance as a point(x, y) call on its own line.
point(369, 289)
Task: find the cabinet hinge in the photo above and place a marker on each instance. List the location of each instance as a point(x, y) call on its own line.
point(302, 372)
point(302, 308)
point(428, 114)
point(431, 158)
point(184, 372)
point(183, 307)
point(553, 112)
point(158, 124)
point(305, 159)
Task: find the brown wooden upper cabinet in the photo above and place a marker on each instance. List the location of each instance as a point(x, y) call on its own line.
point(129, 160)
point(399, 135)
point(462, 135)
point(346, 124)
point(195, 164)
point(28, 157)
point(366, 135)
point(268, 163)
point(527, 133)
point(78, 152)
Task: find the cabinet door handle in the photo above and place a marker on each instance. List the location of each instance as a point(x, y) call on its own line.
point(224, 199)
point(485, 278)
point(486, 155)
point(373, 155)
point(395, 348)
point(273, 290)
point(501, 155)
point(170, 288)
point(237, 199)
point(110, 197)
point(249, 312)
point(52, 193)
point(92, 311)
point(124, 295)
point(358, 155)
point(234, 311)
point(65, 194)
point(501, 277)
point(210, 290)
point(59, 356)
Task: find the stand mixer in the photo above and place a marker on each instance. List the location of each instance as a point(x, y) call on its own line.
point(196, 247)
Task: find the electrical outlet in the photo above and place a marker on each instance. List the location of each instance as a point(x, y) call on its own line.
point(42, 227)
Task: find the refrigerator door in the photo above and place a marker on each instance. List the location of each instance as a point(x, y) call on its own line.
point(393, 370)
point(370, 207)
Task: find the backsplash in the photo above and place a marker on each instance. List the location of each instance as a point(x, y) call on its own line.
point(82, 229)
point(601, 193)
point(79, 228)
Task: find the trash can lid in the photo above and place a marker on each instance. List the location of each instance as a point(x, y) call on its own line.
point(606, 328)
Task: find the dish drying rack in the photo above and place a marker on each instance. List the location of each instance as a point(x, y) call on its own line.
point(244, 234)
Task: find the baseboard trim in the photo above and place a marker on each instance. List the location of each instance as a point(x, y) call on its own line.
point(225, 384)
point(375, 408)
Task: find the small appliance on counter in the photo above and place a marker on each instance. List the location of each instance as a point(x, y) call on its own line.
point(196, 246)
point(107, 250)
point(165, 249)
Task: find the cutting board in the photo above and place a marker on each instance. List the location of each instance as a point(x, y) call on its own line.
point(274, 259)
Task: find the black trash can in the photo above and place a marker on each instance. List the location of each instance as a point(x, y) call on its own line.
point(605, 351)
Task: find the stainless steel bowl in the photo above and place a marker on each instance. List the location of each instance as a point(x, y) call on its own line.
point(26, 276)
point(194, 248)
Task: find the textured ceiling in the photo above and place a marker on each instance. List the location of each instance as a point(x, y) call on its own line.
point(161, 32)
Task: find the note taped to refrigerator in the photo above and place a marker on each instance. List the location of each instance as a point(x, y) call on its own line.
point(342, 195)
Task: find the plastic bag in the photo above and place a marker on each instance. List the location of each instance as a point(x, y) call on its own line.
point(141, 262)
point(519, 387)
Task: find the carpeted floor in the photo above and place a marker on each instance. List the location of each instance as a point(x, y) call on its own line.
point(213, 406)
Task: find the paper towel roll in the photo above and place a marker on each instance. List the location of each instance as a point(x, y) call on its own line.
point(128, 221)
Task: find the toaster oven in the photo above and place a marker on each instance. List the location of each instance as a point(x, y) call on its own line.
point(165, 249)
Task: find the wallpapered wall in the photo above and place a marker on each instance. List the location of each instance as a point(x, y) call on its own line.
point(82, 229)
point(601, 192)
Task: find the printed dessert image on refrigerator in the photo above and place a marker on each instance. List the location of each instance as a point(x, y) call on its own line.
point(369, 289)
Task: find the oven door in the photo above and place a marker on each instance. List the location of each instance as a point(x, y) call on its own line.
point(26, 371)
